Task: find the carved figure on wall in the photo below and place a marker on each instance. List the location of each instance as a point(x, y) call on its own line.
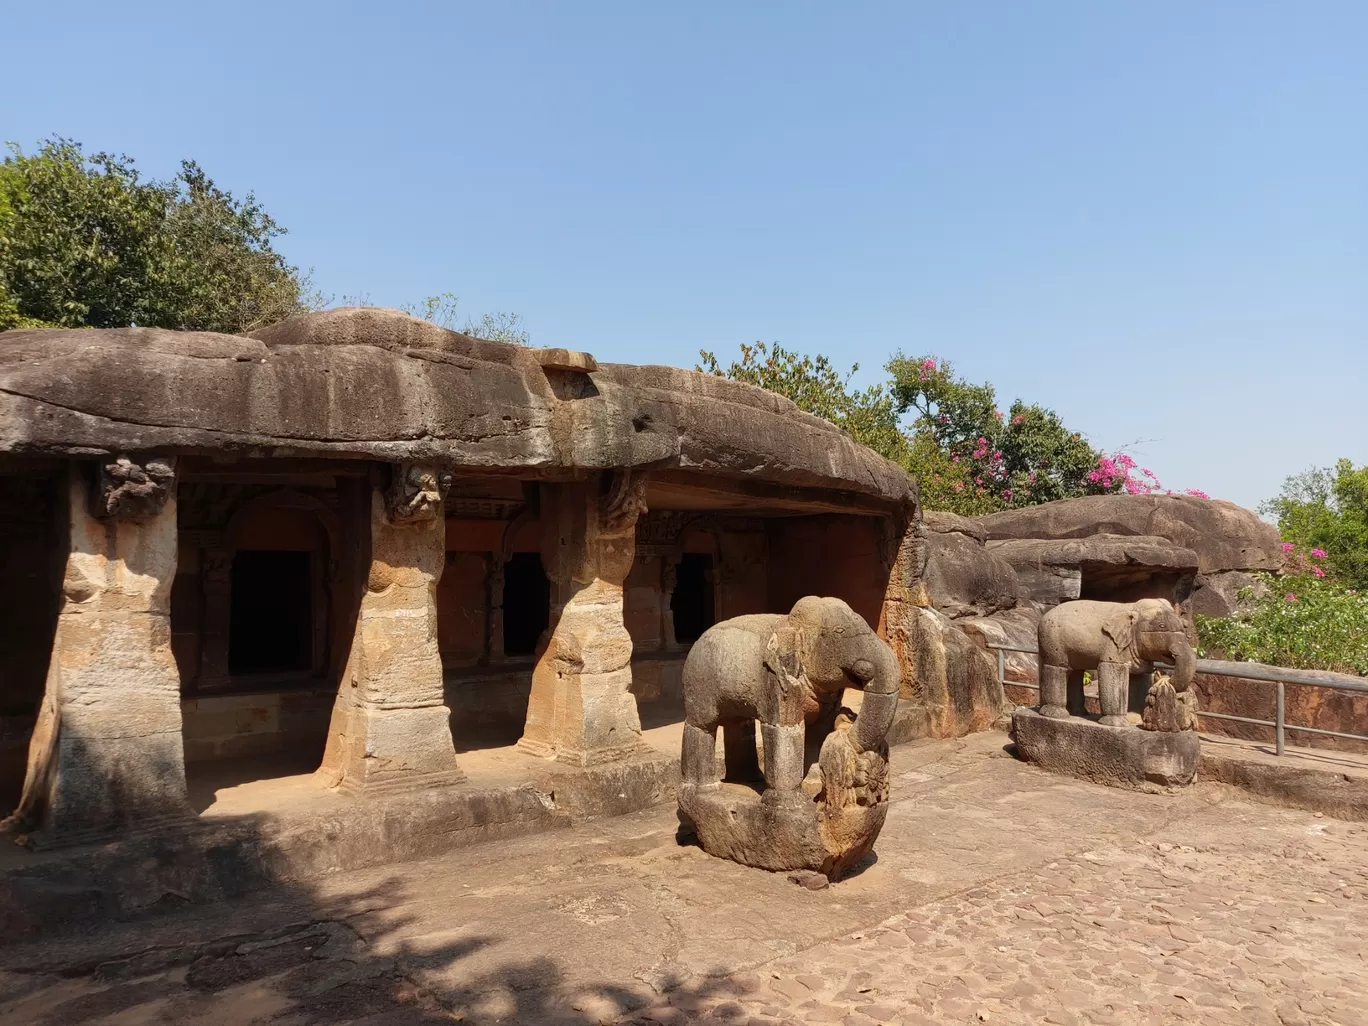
point(135, 492)
point(788, 673)
point(416, 493)
point(1115, 639)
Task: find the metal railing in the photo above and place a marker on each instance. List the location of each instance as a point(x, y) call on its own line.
point(1246, 671)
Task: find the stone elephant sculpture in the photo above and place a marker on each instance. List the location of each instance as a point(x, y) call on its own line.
point(783, 671)
point(1116, 639)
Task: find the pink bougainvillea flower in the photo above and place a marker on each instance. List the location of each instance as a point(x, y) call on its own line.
point(1288, 546)
point(1318, 571)
point(1318, 553)
point(928, 364)
point(1289, 597)
point(1020, 418)
point(1196, 493)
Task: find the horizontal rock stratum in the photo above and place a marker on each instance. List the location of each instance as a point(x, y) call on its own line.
point(377, 384)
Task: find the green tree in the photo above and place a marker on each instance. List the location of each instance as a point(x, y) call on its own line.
point(1326, 508)
point(86, 242)
point(1024, 457)
point(964, 456)
point(815, 386)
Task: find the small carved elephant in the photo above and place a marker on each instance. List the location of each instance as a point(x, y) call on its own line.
point(783, 671)
point(1116, 639)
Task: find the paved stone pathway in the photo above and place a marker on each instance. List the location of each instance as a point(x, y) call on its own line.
point(1157, 933)
point(1000, 895)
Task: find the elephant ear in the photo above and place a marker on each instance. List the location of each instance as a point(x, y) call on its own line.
point(782, 657)
point(1121, 630)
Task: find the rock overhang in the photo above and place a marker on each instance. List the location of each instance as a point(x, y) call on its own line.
point(367, 383)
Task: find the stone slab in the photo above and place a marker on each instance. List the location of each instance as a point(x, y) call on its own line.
point(1117, 756)
point(1335, 785)
point(216, 857)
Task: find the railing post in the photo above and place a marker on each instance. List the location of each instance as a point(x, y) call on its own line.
point(1279, 727)
point(1002, 666)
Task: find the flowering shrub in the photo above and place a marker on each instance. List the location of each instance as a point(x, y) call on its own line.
point(1299, 618)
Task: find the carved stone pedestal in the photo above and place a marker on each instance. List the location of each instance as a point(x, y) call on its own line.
point(1120, 756)
point(827, 826)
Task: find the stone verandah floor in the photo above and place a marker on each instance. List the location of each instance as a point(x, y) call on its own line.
point(1000, 894)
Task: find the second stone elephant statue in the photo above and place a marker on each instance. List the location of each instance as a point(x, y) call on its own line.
point(783, 672)
point(1115, 639)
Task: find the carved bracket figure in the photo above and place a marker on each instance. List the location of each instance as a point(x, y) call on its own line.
point(416, 493)
point(624, 503)
point(1116, 639)
point(132, 492)
point(788, 673)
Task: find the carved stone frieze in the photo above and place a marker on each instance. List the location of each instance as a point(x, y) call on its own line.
point(130, 491)
point(416, 493)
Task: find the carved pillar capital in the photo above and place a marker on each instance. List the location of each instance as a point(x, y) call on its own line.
point(624, 502)
point(132, 491)
point(416, 493)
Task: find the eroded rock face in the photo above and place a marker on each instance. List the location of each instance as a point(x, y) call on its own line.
point(1222, 535)
point(950, 685)
point(1054, 570)
point(962, 577)
point(377, 384)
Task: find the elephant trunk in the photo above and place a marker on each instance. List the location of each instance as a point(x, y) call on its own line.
point(1185, 663)
point(880, 699)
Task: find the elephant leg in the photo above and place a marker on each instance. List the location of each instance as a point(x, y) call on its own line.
point(1054, 691)
point(1113, 688)
point(698, 761)
point(1140, 684)
point(1078, 701)
point(738, 751)
point(783, 756)
point(816, 732)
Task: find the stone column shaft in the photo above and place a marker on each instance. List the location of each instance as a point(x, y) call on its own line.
point(106, 754)
point(581, 710)
point(390, 726)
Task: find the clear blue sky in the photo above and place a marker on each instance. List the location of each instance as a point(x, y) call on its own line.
point(1151, 216)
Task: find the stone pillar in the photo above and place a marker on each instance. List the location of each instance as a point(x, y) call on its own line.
point(581, 710)
point(106, 754)
point(390, 726)
point(216, 581)
point(494, 598)
point(669, 578)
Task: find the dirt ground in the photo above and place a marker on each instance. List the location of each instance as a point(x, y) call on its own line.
point(999, 894)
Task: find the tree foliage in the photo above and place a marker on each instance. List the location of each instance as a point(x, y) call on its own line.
point(85, 241)
point(948, 433)
point(1326, 509)
point(1301, 621)
point(495, 327)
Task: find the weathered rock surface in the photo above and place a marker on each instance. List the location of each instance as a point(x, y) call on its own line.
point(962, 577)
point(1053, 570)
point(949, 684)
point(1223, 536)
point(1218, 594)
point(1016, 627)
point(1119, 756)
point(377, 384)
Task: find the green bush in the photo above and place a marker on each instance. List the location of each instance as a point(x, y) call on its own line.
point(1302, 622)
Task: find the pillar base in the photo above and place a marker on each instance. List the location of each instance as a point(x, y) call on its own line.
point(395, 750)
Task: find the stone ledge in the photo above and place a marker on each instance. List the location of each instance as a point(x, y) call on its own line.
point(1117, 756)
point(215, 857)
point(1337, 794)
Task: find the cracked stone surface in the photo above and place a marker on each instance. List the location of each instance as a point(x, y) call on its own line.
point(1000, 894)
